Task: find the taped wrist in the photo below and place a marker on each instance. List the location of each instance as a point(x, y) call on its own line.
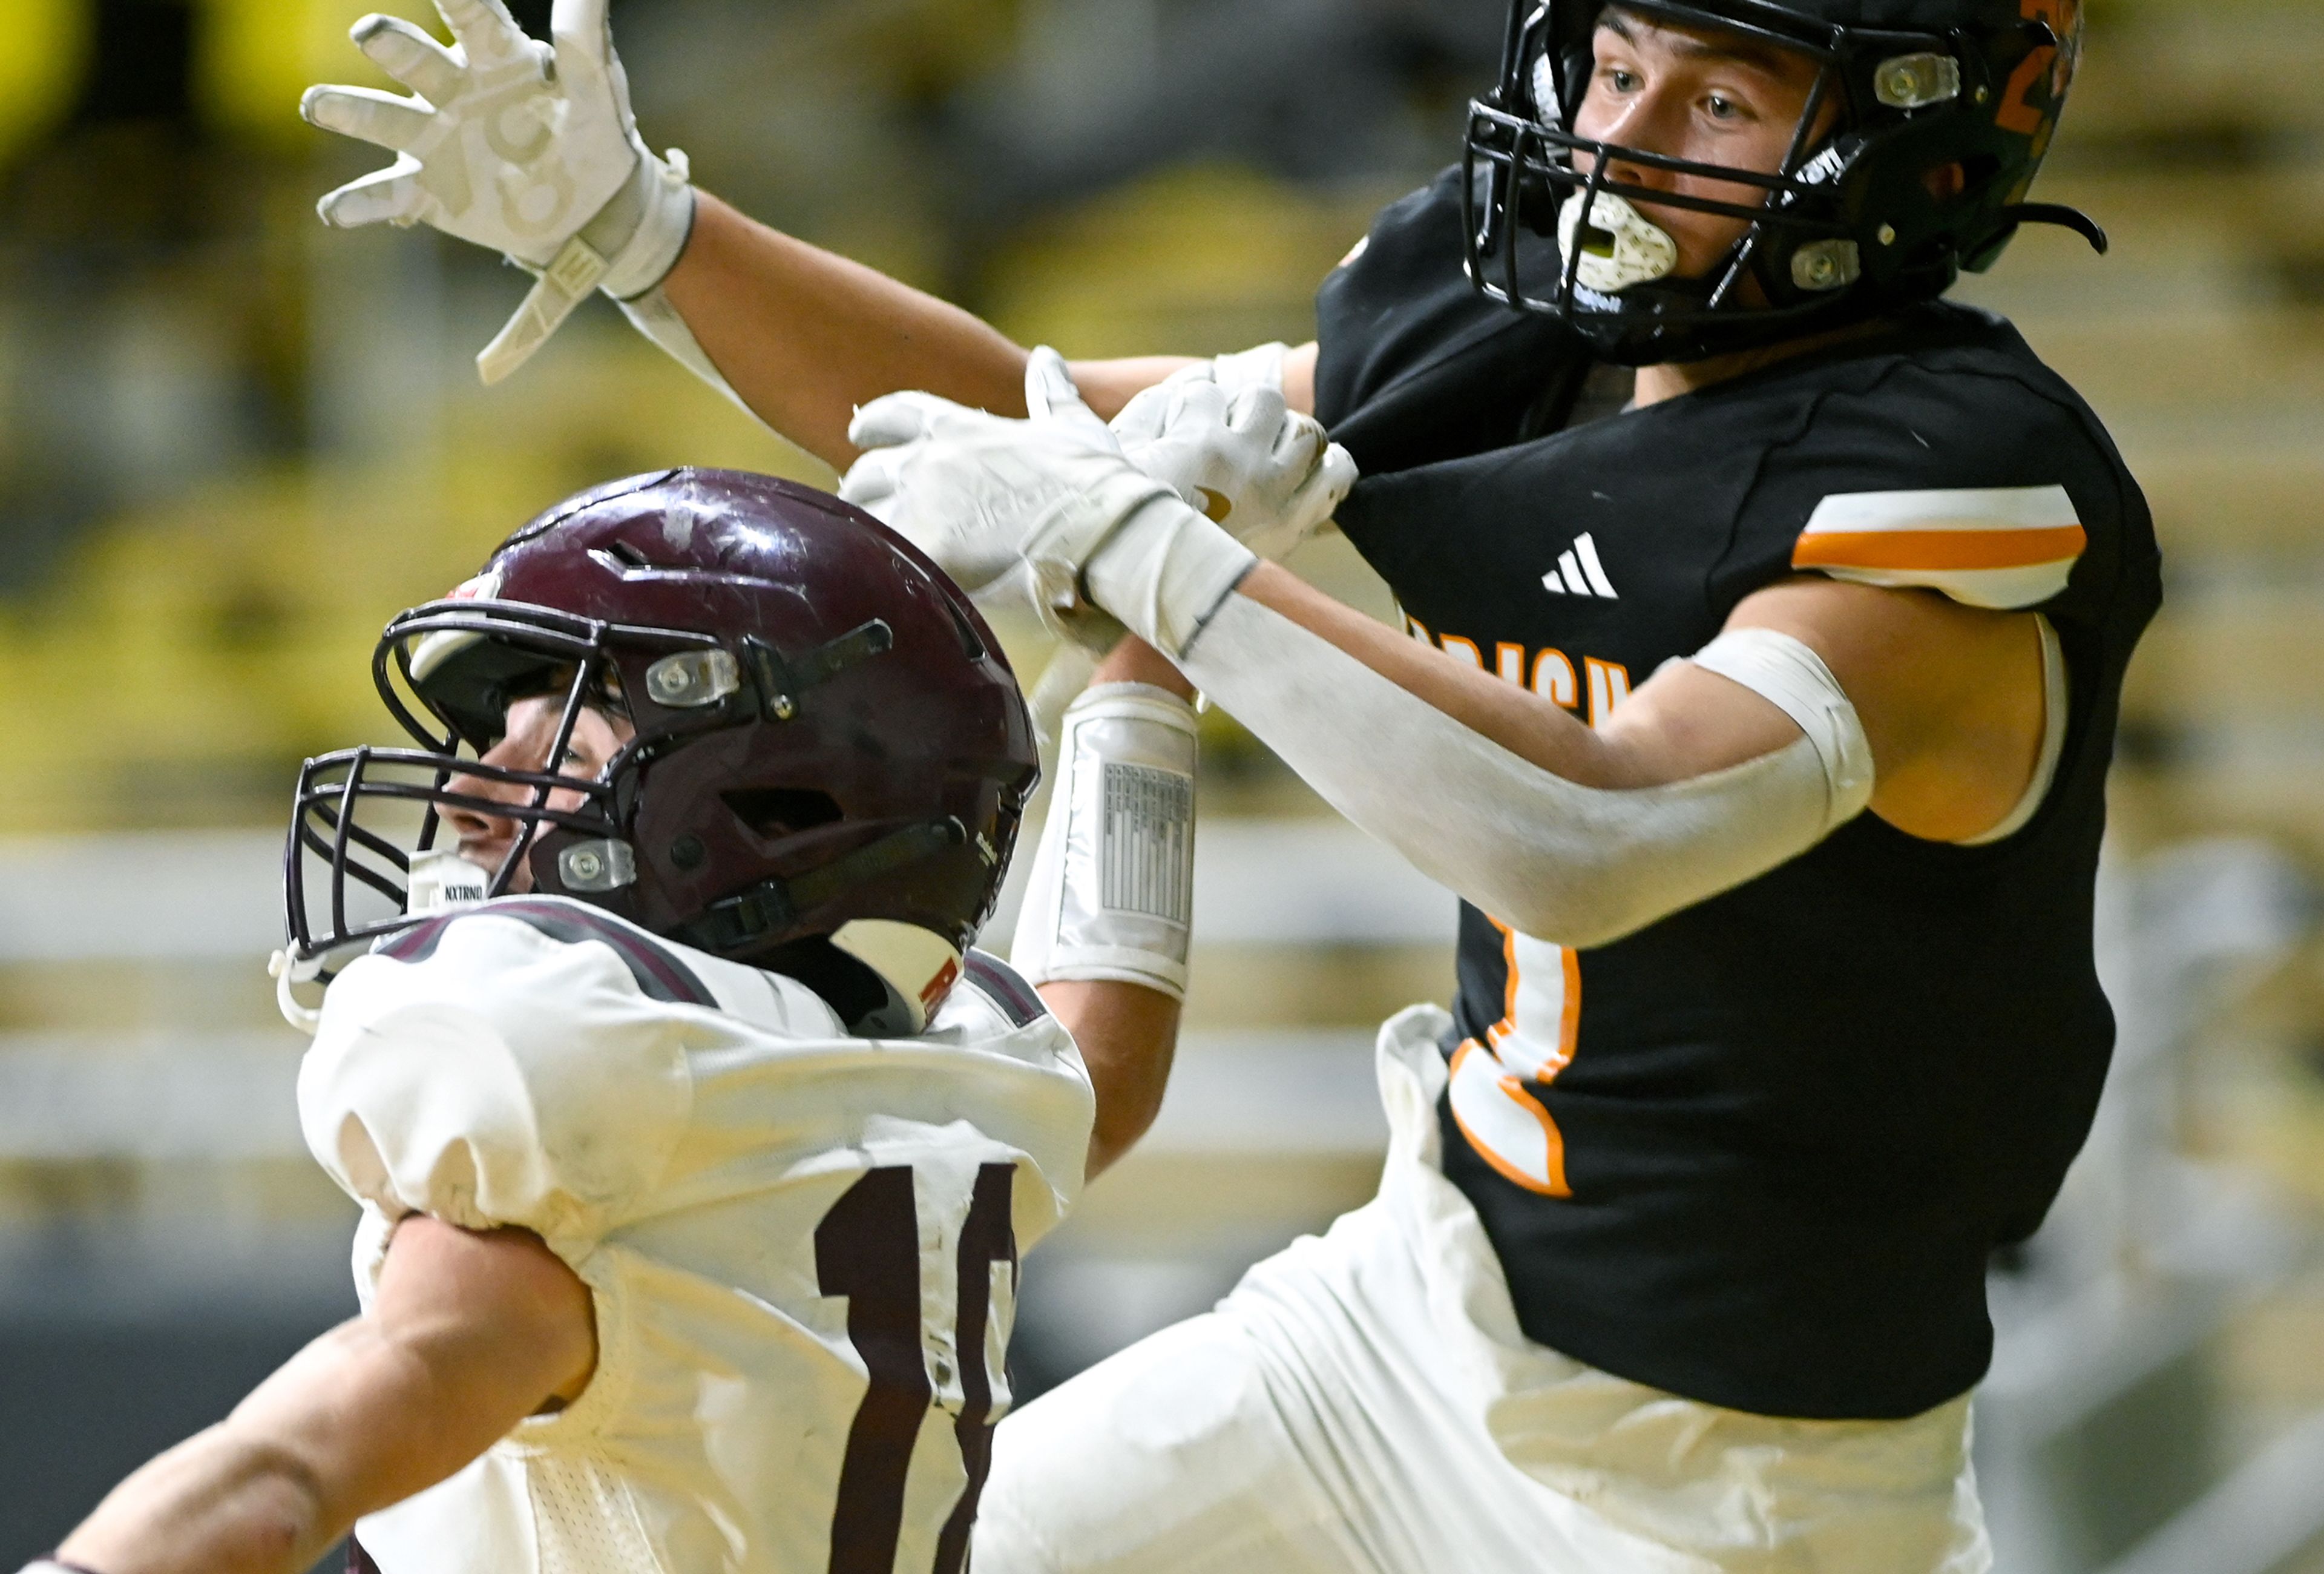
point(1111, 893)
point(646, 226)
point(1164, 571)
point(1550, 857)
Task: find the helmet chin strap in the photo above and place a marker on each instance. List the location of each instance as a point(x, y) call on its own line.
point(916, 965)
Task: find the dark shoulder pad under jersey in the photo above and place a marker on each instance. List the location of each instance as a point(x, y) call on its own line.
point(1956, 463)
point(659, 974)
point(1413, 365)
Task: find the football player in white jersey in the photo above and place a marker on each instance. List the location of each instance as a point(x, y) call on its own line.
point(696, 1146)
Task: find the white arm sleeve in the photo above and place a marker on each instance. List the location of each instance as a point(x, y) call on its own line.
point(653, 315)
point(1111, 894)
point(1572, 865)
point(504, 1078)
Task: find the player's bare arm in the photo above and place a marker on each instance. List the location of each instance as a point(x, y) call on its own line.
point(805, 336)
point(469, 1333)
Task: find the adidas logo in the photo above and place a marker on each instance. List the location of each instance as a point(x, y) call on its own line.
point(1579, 572)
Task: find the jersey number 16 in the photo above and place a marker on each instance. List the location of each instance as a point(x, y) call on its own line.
point(868, 1249)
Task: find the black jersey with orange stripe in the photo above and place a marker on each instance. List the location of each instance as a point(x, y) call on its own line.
point(1759, 1152)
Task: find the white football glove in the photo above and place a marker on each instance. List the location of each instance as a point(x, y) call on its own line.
point(1011, 509)
point(528, 148)
point(1048, 512)
point(1226, 449)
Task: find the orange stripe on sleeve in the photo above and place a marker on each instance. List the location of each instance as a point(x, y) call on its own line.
point(1937, 550)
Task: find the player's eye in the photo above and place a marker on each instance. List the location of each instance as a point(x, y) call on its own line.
point(1619, 80)
point(1722, 107)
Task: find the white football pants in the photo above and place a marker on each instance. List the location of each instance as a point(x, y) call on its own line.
point(1364, 1404)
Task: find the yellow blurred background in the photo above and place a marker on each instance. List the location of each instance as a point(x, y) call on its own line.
point(233, 443)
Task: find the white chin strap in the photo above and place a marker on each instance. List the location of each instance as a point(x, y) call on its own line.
point(1619, 246)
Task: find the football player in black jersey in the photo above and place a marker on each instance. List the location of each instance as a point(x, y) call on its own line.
point(1769, 619)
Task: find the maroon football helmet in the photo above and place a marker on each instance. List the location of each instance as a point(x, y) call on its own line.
point(831, 756)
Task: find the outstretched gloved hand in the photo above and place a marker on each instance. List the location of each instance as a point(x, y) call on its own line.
point(528, 148)
point(1050, 511)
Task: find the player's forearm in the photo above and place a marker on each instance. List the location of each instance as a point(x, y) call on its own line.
point(806, 336)
point(217, 1503)
point(357, 1420)
point(1114, 981)
point(239, 1498)
point(468, 1333)
point(1128, 1035)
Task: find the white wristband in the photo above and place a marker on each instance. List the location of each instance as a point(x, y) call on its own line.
point(1111, 893)
point(654, 218)
point(625, 250)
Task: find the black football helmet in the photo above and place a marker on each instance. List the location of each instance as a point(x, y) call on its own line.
point(1850, 226)
point(830, 761)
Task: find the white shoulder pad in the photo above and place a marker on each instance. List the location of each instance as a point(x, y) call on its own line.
point(1997, 546)
point(522, 1063)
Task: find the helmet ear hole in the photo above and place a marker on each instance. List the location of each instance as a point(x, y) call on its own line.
point(772, 813)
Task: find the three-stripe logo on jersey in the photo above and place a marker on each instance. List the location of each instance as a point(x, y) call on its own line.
point(1579, 572)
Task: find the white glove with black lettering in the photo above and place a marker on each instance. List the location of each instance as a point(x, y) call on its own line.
point(1049, 511)
point(525, 147)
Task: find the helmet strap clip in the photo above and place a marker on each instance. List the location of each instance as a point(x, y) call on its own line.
point(782, 682)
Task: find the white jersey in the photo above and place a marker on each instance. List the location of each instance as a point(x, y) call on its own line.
point(802, 1246)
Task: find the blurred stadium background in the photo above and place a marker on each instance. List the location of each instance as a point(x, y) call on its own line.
point(232, 443)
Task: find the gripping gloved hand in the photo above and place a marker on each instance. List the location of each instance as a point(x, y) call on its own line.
point(1225, 448)
point(525, 147)
point(1048, 511)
